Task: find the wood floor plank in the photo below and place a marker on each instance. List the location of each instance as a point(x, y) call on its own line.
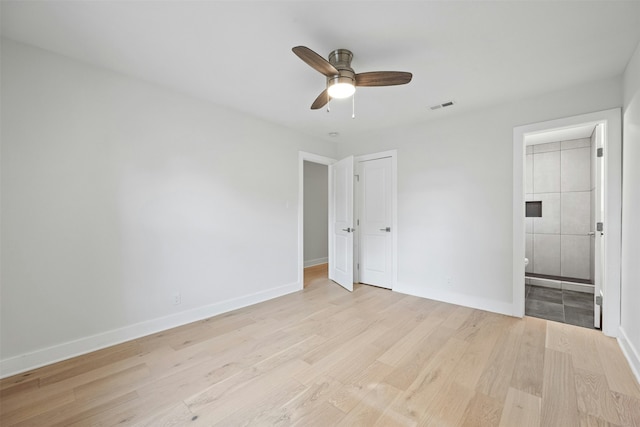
point(392, 418)
point(521, 409)
point(594, 396)
point(396, 354)
point(559, 401)
point(261, 411)
point(127, 378)
point(345, 357)
point(559, 336)
point(76, 411)
point(406, 321)
point(628, 409)
point(325, 415)
point(218, 402)
point(429, 382)
point(323, 356)
point(447, 408)
point(20, 387)
point(349, 332)
point(38, 407)
point(496, 378)
point(352, 392)
point(584, 350)
point(173, 415)
point(482, 411)
point(371, 407)
point(275, 367)
point(616, 368)
point(476, 358)
point(528, 370)
point(407, 369)
point(90, 365)
point(79, 417)
point(587, 420)
point(137, 409)
point(186, 382)
point(458, 317)
point(307, 404)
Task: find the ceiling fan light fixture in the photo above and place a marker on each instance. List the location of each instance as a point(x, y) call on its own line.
point(341, 90)
point(342, 85)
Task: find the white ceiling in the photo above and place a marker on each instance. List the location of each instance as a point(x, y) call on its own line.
point(238, 54)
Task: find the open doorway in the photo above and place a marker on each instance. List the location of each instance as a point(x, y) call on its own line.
point(316, 222)
point(312, 212)
point(563, 201)
point(596, 230)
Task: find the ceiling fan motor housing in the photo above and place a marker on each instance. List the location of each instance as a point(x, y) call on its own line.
point(341, 60)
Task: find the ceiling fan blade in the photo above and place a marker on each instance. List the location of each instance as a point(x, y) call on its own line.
point(322, 100)
point(316, 61)
point(383, 78)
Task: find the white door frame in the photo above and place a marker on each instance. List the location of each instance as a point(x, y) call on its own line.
point(313, 158)
point(394, 214)
point(611, 119)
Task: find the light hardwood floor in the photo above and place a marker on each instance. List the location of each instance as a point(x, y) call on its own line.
point(324, 357)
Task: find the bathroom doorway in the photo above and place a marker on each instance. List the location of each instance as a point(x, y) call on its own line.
point(562, 247)
point(567, 221)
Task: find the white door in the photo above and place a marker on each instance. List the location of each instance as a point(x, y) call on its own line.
point(341, 222)
point(597, 230)
point(374, 215)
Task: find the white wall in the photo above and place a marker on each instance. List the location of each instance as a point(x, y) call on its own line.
point(316, 212)
point(116, 194)
point(455, 182)
point(630, 275)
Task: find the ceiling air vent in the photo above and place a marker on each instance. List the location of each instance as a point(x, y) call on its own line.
point(443, 105)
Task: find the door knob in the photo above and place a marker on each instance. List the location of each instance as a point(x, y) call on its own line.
point(348, 230)
point(387, 229)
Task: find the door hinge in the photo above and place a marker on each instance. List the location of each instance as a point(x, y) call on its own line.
point(599, 226)
point(357, 178)
point(358, 266)
point(600, 152)
point(599, 300)
point(358, 221)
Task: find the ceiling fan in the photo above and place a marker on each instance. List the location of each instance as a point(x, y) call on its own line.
point(341, 79)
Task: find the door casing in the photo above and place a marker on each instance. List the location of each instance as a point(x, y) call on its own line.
point(612, 121)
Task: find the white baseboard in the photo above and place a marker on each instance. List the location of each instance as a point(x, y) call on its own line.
point(317, 261)
point(630, 352)
point(46, 356)
point(456, 298)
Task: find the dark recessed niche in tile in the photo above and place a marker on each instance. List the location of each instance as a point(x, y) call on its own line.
point(533, 209)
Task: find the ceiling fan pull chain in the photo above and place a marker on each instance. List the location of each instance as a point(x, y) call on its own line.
point(328, 107)
point(353, 106)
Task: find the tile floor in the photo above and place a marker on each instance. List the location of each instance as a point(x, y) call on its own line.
point(574, 308)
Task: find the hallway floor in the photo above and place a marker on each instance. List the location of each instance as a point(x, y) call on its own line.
point(574, 308)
